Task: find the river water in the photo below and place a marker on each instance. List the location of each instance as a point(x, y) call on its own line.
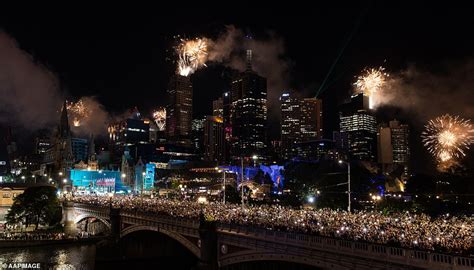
point(51, 257)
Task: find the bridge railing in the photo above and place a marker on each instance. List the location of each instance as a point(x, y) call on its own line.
point(362, 249)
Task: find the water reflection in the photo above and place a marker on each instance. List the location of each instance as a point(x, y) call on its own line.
point(78, 257)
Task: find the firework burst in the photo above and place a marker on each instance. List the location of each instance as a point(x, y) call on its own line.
point(192, 54)
point(159, 116)
point(370, 82)
point(78, 112)
point(447, 138)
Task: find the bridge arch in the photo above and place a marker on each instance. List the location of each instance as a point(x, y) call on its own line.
point(253, 256)
point(180, 239)
point(81, 217)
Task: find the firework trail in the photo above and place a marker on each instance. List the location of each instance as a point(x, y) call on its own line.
point(447, 138)
point(192, 54)
point(159, 116)
point(370, 82)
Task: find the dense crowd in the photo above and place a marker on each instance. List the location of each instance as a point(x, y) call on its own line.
point(31, 236)
point(446, 233)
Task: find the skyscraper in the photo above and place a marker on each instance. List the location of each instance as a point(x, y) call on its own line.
point(218, 107)
point(393, 147)
point(197, 135)
point(249, 113)
point(311, 119)
point(226, 115)
point(179, 109)
point(290, 125)
point(133, 132)
point(301, 122)
point(358, 128)
point(214, 139)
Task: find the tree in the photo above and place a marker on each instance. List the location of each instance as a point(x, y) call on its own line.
point(37, 205)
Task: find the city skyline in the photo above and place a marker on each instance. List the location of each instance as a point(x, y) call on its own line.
point(305, 75)
point(323, 137)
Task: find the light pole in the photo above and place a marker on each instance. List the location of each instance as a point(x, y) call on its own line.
point(348, 184)
point(223, 185)
point(143, 181)
point(242, 179)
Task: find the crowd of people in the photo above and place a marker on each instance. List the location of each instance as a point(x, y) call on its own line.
point(446, 233)
point(32, 236)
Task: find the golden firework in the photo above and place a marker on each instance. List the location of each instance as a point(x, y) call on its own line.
point(370, 82)
point(447, 138)
point(192, 54)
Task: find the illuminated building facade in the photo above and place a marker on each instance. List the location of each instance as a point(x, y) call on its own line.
point(214, 139)
point(96, 182)
point(134, 133)
point(226, 116)
point(393, 147)
point(180, 109)
point(358, 128)
point(198, 135)
point(249, 113)
point(218, 107)
point(80, 149)
point(301, 121)
point(311, 119)
point(290, 125)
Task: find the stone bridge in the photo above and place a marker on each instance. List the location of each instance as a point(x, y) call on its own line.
point(218, 245)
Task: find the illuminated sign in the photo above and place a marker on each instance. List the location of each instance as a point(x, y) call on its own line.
point(105, 182)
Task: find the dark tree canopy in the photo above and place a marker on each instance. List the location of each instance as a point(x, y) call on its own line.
point(37, 205)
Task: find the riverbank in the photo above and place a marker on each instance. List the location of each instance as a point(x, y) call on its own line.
point(36, 243)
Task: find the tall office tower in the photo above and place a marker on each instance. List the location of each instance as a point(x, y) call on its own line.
point(249, 113)
point(311, 119)
point(290, 125)
point(214, 139)
point(301, 122)
point(133, 132)
point(179, 110)
point(218, 107)
point(393, 148)
point(80, 149)
point(358, 127)
point(226, 115)
point(197, 135)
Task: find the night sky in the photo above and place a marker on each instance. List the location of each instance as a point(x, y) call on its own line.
point(123, 59)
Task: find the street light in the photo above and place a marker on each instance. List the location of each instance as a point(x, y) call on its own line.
point(64, 180)
point(223, 184)
point(60, 173)
point(242, 179)
point(348, 183)
point(110, 194)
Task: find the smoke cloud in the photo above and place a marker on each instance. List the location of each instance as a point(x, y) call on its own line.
point(96, 122)
point(30, 96)
point(267, 59)
point(429, 94)
point(29, 93)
